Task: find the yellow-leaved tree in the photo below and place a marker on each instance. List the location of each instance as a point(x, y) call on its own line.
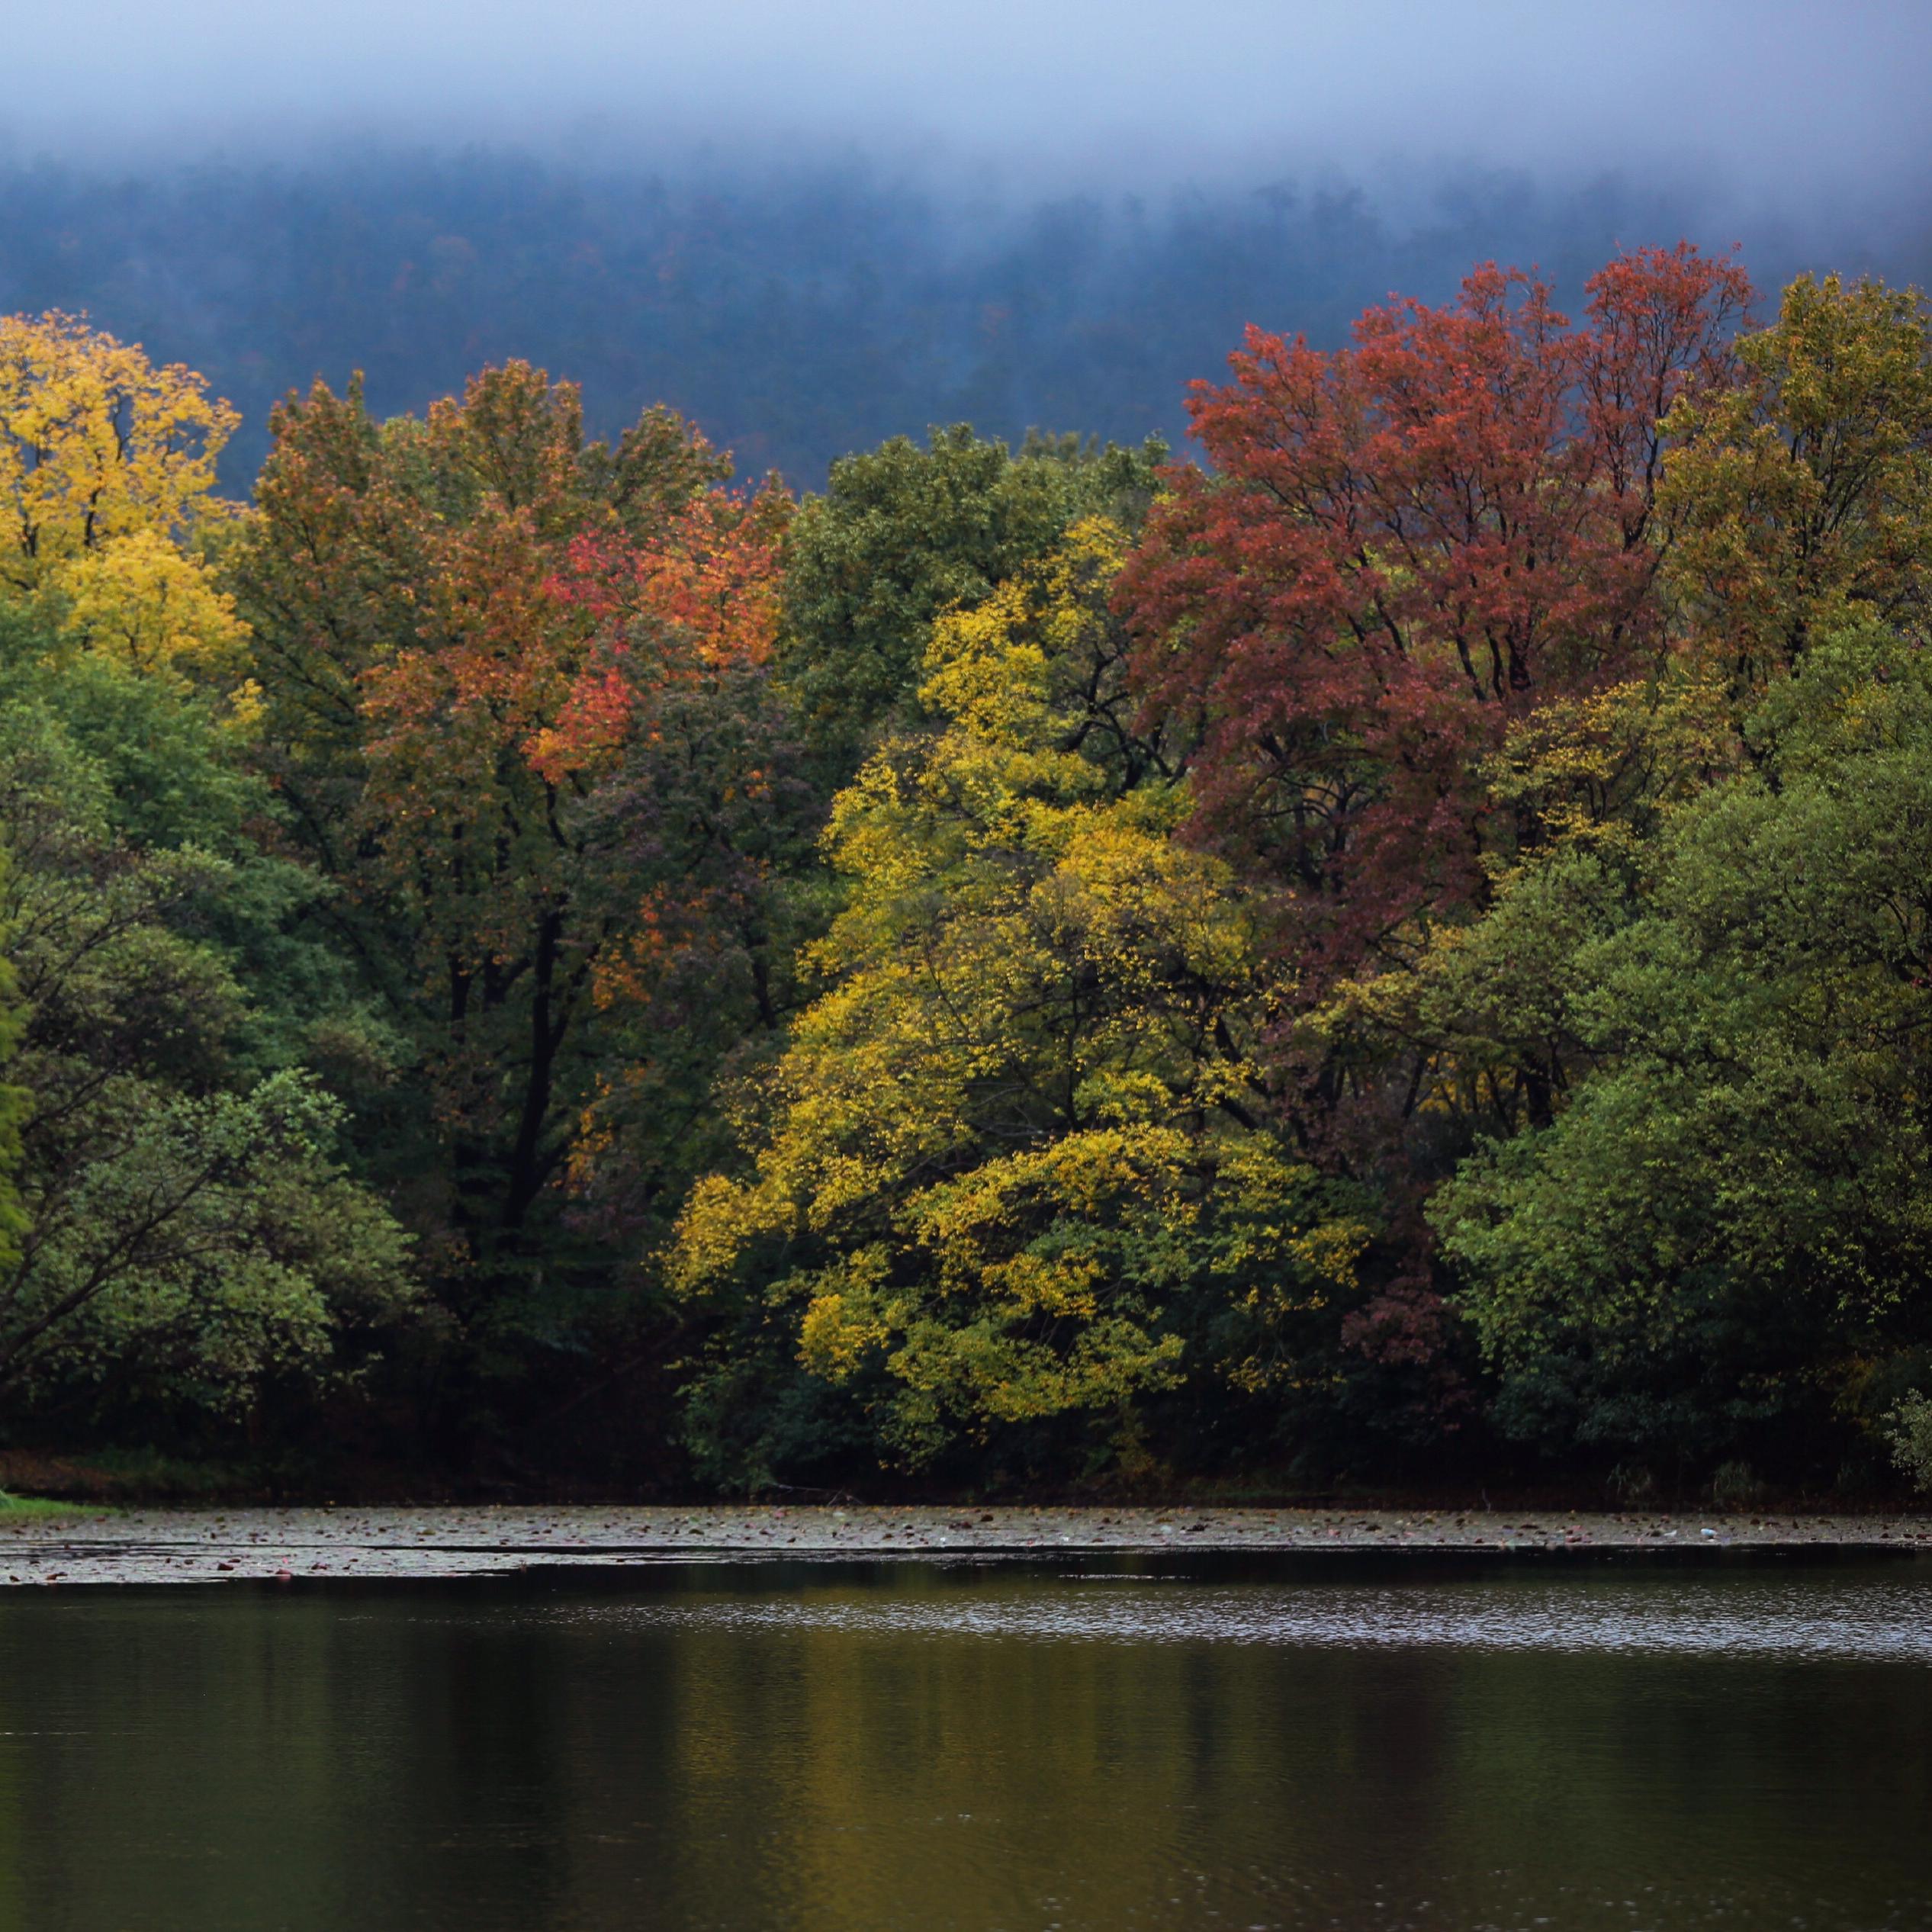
point(1805, 492)
point(1013, 1171)
point(107, 490)
point(148, 605)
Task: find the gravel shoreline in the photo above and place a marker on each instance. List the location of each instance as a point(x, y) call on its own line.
point(200, 1546)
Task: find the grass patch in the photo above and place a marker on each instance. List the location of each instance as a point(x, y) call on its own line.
point(12, 1508)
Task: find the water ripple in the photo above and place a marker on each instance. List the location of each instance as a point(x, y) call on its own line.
point(1876, 1620)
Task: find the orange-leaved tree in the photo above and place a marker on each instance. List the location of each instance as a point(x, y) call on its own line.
point(702, 801)
point(437, 604)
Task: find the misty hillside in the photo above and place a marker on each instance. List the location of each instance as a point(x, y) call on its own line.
point(796, 315)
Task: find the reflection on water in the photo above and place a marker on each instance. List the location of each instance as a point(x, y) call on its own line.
point(987, 1748)
point(1892, 1618)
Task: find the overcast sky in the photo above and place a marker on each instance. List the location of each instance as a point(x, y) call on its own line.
point(1805, 96)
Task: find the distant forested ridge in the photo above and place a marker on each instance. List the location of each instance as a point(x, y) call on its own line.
point(795, 314)
point(1395, 947)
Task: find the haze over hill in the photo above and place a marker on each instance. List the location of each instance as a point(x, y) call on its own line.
point(812, 230)
point(801, 313)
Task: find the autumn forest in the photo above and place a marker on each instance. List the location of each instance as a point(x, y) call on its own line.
point(1390, 945)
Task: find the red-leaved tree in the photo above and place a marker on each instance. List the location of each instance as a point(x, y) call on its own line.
point(1402, 546)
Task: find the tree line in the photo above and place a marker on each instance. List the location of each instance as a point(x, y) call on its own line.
point(1400, 948)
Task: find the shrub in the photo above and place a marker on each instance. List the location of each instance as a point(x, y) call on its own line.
point(1910, 1430)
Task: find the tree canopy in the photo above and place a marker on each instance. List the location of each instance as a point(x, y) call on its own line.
point(1403, 948)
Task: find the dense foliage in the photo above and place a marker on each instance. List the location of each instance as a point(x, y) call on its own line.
point(1406, 947)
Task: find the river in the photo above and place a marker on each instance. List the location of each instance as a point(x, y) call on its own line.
point(1086, 1744)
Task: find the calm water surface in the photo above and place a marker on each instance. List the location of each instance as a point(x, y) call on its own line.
point(1105, 1745)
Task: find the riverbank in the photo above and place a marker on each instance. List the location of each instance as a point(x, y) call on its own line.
point(163, 1546)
